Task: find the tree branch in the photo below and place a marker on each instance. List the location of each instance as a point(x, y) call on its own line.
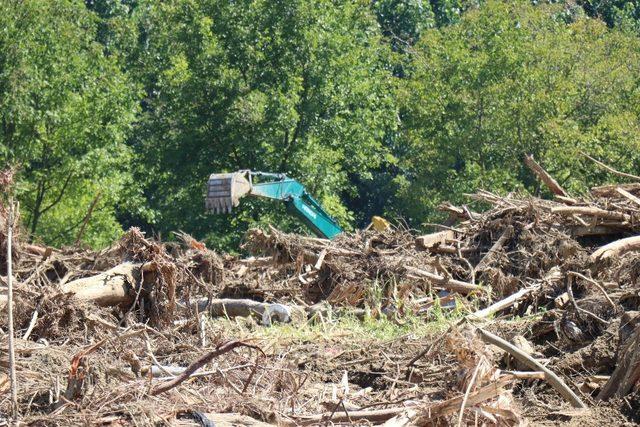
point(62, 191)
point(203, 360)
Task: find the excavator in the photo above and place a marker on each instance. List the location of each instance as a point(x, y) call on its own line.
point(224, 191)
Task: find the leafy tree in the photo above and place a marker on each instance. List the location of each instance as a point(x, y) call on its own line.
point(117, 28)
point(510, 79)
point(627, 17)
point(286, 86)
point(403, 20)
point(611, 11)
point(65, 110)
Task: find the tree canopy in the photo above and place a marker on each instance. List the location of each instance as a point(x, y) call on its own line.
point(511, 79)
point(66, 110)
point(114, 112)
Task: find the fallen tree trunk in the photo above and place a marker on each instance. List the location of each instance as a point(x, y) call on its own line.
point(232, 420)
point(443, 282)
point(611, 190)
point(227, 307)
point(449, 249)
point(113, 287)
point(590, 211)
point(628, 196)
point(616, 248)
point(506, 234)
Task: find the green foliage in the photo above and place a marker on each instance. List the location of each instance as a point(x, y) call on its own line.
point(65, 111)
point(286, 86)
point(403, 20)
point(510, 79)
point(627, 17)
point(611, 11)
point(390, 106)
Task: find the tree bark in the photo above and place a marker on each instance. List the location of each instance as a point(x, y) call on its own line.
point(548, 180)
point(590, 211)
point(616, 248)
point(113, 287)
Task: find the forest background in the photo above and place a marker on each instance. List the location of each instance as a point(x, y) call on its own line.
point(115, 112)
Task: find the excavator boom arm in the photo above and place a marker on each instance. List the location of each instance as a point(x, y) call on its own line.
point(225, 190)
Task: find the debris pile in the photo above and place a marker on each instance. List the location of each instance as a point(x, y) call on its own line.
point(534, 306)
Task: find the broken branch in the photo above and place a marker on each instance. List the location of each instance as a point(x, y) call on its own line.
point(203, 360)
point(524, 358)
point(544, 176)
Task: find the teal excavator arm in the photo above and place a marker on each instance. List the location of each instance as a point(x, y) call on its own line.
point(225, 190)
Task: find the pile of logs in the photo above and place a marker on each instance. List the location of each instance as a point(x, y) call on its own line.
point(570, 263)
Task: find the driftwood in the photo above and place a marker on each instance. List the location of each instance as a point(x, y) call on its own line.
point(548, 180)
point(502, 304)
point(428, 415)
point(591, 211)
point(199, 363)
point(230, 420)
point(443, 282)
point(434, 239)
point(455, 211)
point(159, 371)
point(38, 250)
point(524, 358)
point(624, 193)
point(566, 200)
point(616, 248)
point(611, 189)
point(113, 287)
point(228, 307)
point(526, 375)
point(506, 234)
point(442, 409)
point(338, 416)
point(449, 249)
point(412, 415)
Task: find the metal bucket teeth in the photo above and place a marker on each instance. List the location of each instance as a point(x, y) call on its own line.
point(224, 191)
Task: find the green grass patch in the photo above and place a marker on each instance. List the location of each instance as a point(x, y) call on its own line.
point(342, 327)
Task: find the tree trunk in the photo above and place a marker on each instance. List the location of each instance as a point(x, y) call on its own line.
point(113, 287)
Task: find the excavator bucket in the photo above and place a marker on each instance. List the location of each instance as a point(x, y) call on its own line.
point(224, 191)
